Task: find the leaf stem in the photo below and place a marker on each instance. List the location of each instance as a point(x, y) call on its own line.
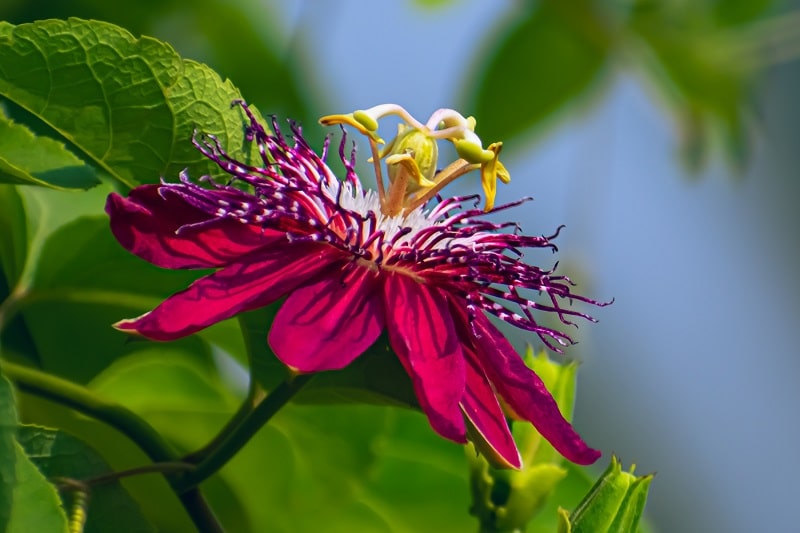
point(108, 477)
point(230, 444)
point(247, 407)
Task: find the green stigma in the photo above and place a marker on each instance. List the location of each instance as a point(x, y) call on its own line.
point(415, 146)
point(411, 157)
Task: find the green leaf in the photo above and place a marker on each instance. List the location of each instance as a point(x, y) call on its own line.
point(129, 105)
point(83, 254)
point(414, 462)
point(8, 454)
point(45, 211)
point(37, 506)
point(214, 32)
point(58, 454)
point(14, 334)
point(28, 159)
point(265, 368)
point(554, 54)
point(183, 381)
point(28, 502)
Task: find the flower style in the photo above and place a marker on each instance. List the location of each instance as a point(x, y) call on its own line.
point(353, 262)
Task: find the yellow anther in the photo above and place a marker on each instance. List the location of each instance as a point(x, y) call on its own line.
point(362, 123)
point(365, 119)
point(472, 152)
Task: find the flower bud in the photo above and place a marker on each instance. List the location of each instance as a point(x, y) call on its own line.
point(613, 505)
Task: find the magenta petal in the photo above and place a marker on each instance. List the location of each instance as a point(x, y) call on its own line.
point(481, 407)
point(526, 394)
point(254, 283)
point(147, 224)
point(327, 324)
point(423, 336)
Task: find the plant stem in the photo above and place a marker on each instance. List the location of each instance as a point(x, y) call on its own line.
point(120, 418)
point(249, 403)
point(10, 306)
point(201, 514)
point(82, 399)
point(241, 434)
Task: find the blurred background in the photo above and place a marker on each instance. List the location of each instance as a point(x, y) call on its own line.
point(663, 134)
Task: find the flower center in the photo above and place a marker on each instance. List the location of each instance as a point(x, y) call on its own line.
point(411, 156)
point(377, 240)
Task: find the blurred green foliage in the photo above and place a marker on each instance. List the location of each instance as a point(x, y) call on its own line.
point(702, 58)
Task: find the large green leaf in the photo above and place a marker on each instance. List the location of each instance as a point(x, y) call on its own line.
point(129, 105)
point(182, 380)
point(30, 160)
point(214, 32)
point(553, 54)
point(60, 455)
